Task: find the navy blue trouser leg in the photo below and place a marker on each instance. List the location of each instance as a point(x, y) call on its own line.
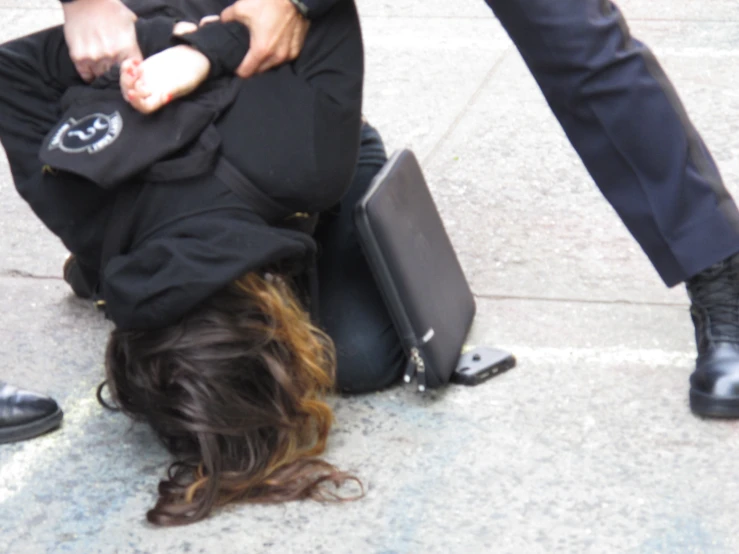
point(626, 122)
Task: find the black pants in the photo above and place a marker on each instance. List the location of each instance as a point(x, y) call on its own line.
point(626, 122)
point(369, 353)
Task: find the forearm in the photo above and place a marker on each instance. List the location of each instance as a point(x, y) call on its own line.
point(224, 44)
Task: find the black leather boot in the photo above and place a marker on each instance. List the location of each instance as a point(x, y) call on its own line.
point(25, 414)
point(714, 296)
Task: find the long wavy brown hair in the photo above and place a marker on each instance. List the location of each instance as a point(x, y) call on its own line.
point(235, 391)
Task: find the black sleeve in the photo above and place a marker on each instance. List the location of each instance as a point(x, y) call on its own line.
point(316, 8)
point(154, 34)
point(224, 44)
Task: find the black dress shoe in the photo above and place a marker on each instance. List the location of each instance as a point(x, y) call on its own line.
point(714, 295)
point(25, 414)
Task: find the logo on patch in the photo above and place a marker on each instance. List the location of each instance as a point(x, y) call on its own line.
point(90, 134)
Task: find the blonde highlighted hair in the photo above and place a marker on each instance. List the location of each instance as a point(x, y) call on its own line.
point(236, 391)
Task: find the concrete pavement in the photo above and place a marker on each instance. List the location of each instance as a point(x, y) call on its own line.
point(587, 446)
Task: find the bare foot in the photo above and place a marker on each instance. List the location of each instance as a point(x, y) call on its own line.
point(159, 79)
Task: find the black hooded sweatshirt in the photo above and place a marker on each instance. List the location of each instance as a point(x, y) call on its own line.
point(160, 241)
point(309, 8)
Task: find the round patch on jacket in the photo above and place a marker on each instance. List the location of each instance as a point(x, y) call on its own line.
point(91, 134)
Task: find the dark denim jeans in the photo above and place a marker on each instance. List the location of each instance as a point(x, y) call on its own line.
point(369, 353)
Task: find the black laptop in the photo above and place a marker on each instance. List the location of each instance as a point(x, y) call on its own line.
point(417, 270)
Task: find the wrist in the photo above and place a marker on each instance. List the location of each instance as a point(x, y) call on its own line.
point(195, 57)
point(79, 5)
point(224, 44)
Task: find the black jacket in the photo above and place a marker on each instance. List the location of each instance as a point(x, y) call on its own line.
point(163, 241)
point(315, 8)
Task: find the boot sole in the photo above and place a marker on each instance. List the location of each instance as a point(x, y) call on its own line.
point(707, 405)
point(32, 428)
